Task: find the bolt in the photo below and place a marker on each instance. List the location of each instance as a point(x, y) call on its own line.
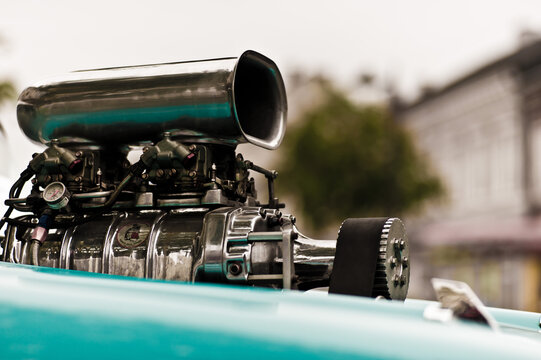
point(144, 176)
point(160, 172)
point(166, 134)
point(263, 213)
point(234, 268)
point(54, 141)
point(402, 244)
point(79, 153)
point(34, 181)
point(173, 171)
point(278, 214)
point(395, 243)
point(394, 262)
point(145, 149)
point(192, 174)
point(405, 262)
point(396, 279)
point(293, 219)
point(78, 179)
point(402, 280)
point(192, 147)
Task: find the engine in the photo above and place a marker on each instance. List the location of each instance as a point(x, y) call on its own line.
point(140, 177)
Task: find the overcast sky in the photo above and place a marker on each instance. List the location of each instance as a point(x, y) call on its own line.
point(411, 43)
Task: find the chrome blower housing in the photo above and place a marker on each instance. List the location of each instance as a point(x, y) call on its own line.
point(187, 209)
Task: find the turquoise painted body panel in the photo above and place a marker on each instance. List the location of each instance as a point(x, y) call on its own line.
point(51, 313)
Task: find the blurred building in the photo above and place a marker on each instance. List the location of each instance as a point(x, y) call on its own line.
point(482, 133)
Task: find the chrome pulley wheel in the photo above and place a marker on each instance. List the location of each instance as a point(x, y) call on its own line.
point(372, 259)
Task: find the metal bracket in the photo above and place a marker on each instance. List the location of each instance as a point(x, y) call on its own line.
point(287, 256)
point(270, 175)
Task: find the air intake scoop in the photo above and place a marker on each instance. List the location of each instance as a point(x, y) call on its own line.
point(225, 101)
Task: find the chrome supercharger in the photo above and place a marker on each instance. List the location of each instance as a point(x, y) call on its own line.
point(184, 207)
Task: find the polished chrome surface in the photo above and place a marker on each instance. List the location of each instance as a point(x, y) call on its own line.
point(148, 243)
point(173, 242)
point(208, 257)
point(244, 245)
point(238, 245)
point(49, 252)
point(12, 248)
point(129, 246)
point(313, 259)
point(86, 245)
point(256, 256)
point(110, 235)
point(228, 101)
point(288, 270)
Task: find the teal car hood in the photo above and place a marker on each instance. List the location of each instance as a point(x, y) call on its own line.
point(50, 313)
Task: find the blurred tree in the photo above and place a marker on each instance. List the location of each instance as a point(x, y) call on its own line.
point(344, 161)
point(7, 91)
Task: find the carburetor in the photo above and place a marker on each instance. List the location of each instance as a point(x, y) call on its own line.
point(185, 207)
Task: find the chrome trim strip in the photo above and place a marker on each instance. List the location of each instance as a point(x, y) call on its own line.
point(151, 248)
point(65, 248)
point(109, 239)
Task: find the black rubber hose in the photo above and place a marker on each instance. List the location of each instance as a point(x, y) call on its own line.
point(18, 222)
point(135, 170)
point(22, 208)
point(6, 216)
point(15, 192)
point(117, 191)
point(16, 189)
point(55, 224)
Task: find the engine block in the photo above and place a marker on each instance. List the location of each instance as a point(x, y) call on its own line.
point(185, 207)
